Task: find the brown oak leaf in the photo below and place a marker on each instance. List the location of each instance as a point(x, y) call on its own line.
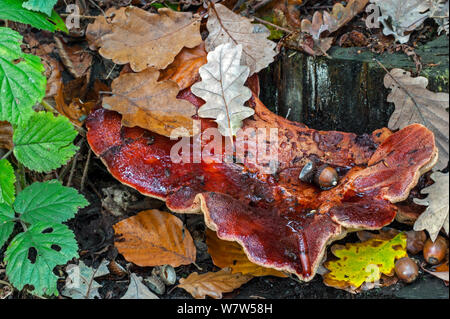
point(147, 103)
point(143, 39)
point(213, 284)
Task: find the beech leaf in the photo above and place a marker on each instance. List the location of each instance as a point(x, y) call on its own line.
point(222, 87)
point(229, 254)
point(143, 39)
point(415, 104)
point(147, 103)
point(436, 215)
point(155, 238)
point(362, 262)
point(225, 26)
point(213, 284)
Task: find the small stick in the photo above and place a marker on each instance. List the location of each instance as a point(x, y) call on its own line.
point(72, 169)
point(272, 24)
point(65, 15)
point(86, 166)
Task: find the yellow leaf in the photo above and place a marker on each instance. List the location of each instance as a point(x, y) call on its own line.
point(213, 284)
point(230, 254)
point(364, 262)
point(154, 238)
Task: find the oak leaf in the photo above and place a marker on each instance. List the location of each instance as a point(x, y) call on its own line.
point(229, 254)
point(363, 262)
point(415, 104)
point(399, 17)
point(222, 87)
point(76, 60)
point(225, 26)
point(143, 39)
point(154, 238)
point(435, 216)
point(137, 289)
point(147, 103)
point(213, 284)
point(324, 21)
point(184, 69)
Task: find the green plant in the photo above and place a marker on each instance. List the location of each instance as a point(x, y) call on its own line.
point(42, 142)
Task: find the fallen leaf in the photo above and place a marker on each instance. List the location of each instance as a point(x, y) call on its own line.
point(137, 290)
point(400, 17)
point(76, 60)
point(154, 238)
point(229, 254)
point(143, 39)
point(225, 26)
point(364, 262)
point(147, 103)
point(439, 12)
point(435, 216)
point(415, 104)
point(6, 132)
point(80, 283)
point(76, 110)
point(440, 271)
point(184, 69)
point(213, 284)
point(222, 87)
point(324, 21)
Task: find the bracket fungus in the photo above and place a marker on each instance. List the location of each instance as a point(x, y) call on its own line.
point(280, 221)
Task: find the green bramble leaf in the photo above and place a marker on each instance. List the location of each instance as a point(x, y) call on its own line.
point(33, 254)
point(48, 202)
point(13, 10)
point(7, 180)
point(45, 6)
point(45, 142)
point(6, 223)
point(22, 79)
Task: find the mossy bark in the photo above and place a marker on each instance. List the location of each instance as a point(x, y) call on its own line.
point(346, 92)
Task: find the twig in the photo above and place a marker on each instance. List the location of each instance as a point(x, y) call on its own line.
point(86, 166)
point(271, 24)
point(6, 155)
point(78, 15)
point(72, 169)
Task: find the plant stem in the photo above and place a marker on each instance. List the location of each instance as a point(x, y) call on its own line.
point(7, 154)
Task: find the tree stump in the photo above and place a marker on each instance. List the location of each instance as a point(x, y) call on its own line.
point(346, 92)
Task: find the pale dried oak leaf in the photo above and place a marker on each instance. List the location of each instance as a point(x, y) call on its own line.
point(400, 17)
point(225, 26)
point(147, 103)
point(154, 238)
point(415, 104)
point(143, 39)
point(222, 87)
point(435, 216)
point(213, 284)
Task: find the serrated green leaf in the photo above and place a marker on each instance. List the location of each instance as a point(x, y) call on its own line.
point(22, 79)
point(54, 245)
point(45, 142)
point(13, 10)
point(7, 180)
point(48, 201)
point(6, 223)
point(45, 6)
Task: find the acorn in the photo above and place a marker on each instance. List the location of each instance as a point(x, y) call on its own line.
point(406, 269)
point(326, 177)
point(435, 252)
